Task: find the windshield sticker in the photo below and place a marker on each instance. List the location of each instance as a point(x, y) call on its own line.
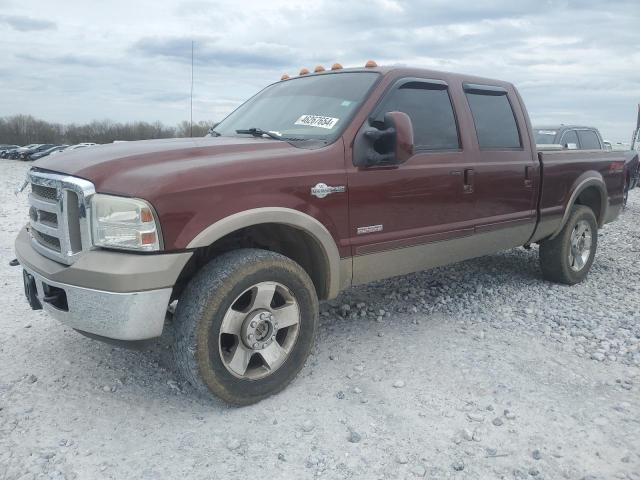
point(346, 103)
point(546, 132)
point(317, 121)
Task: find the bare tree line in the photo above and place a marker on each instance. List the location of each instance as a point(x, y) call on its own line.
point(25, 129)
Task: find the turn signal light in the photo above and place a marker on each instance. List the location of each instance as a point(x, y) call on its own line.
point(370, 64)
point(336, 66)
point(319, 68)
point(145, 215)
point(148, 238)
point(304, 71)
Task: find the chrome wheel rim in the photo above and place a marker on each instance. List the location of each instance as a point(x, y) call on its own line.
point(259, 330)
point(580, 248)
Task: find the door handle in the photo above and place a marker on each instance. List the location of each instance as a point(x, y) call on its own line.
point(469, 176)
point(528, 176)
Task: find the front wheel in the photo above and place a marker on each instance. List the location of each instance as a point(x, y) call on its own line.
point(567, 258)
point(245, 325)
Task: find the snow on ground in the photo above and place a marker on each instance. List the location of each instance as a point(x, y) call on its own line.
point(473, 371)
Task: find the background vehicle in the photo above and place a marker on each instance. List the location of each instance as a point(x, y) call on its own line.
point(5, 148)
point(571, 137)
point(16, 152)
point(26, 154)
point(315, 184)
point(43, 153)
point(80, 145)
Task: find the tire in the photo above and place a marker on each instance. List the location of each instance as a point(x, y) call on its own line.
point(556, 253)
point(229, 294)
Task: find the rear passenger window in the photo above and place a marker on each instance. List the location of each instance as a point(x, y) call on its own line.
point(493, 116)
point(429, 107)
point(588, 140)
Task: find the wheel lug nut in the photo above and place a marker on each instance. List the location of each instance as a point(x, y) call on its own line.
point(250, 336)
point(253, 324)
point(255, 345)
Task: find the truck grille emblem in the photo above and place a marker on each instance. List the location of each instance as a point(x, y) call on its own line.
point(321, 190)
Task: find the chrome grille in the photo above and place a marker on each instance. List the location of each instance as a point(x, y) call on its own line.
point(59, 215)
point(49, 241)
point(45, 193)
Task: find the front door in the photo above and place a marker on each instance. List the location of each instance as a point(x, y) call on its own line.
point(397, 209)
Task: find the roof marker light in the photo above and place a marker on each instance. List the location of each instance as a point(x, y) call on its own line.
point(318, 69)
point(304, 71)
point(336, 66)
point(370, 64)
point(285, 77)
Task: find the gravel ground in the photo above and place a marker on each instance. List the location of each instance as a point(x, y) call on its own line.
point(478, 370)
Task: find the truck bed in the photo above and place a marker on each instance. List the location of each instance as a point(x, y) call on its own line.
point(565, 173)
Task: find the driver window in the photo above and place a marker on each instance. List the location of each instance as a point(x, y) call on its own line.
point(570, 137)
point(429, 107)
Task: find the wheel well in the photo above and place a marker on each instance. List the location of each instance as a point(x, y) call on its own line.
point(296, 244)
point(592, 197)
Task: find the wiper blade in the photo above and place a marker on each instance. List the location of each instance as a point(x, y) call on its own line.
point(258, 132)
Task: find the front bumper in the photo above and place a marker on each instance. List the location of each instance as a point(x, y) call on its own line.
point(112, 294)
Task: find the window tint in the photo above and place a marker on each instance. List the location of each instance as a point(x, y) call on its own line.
point(430, 110)
point(589, 140)
point(495, 123)
point(570, 137)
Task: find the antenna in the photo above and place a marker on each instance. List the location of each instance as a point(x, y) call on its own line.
point(191, 121)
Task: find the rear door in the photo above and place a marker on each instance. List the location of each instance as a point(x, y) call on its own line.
point(506, 171)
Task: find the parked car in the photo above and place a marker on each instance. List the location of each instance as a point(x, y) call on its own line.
point(81, 145)
point(5, 148)
point(26, 154)
point(48, 151)
point(314, 184)
point(16, 152)
point(570, 137)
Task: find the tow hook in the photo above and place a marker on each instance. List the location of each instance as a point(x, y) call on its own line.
point(14, 263)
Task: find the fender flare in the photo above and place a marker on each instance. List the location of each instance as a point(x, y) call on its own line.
point(588, 179)
point(283, 216)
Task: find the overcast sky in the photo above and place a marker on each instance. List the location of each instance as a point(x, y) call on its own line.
point(75, 61)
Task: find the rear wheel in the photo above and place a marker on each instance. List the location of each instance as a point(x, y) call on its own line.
point(568, 257)
point(245, 325)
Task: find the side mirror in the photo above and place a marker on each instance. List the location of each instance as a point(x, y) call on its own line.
point(392, 144)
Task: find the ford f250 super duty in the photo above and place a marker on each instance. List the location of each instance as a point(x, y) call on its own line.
point(317, 183)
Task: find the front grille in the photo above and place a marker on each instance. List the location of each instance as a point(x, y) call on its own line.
point(58, 215)
point(46, 193)
point(47, 240)
point(50, 219)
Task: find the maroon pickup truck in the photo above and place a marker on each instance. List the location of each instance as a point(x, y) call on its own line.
point(317, 183)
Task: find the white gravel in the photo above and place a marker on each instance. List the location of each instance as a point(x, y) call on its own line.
point(497, 374)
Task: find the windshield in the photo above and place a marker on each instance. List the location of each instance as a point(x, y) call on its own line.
point(545, 137)
point(317, 107)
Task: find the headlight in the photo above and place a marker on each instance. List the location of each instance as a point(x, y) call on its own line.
point(124, 223)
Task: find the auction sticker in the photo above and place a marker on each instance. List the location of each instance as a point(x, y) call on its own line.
point(317, 121)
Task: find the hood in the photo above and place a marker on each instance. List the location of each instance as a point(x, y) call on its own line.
point(136, 168)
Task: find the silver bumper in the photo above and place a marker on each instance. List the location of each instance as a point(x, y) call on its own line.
point(122, 316)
